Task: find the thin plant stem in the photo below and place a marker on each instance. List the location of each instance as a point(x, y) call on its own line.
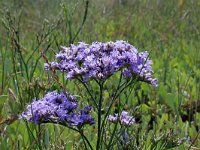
point(74, 129)
point(83, 22)
point(84, 84)
point(39, 136)
point(30, 133)
point(99, 116)
point(85, 139)
point(112, 101)
point(3, 70)
point(113, 134)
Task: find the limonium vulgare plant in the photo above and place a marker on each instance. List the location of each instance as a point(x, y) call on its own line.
point(96, 62)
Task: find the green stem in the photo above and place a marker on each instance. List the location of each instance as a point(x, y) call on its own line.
point(84, 84)
point(85, 139)
point(99, 116)
point(74, 129)
point(83, 22)
point(3, 70)
point(112, 136)
point(39, 136)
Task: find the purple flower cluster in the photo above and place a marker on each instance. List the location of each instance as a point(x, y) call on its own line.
point(58, 108)
point(101, 60)
point(124, 118)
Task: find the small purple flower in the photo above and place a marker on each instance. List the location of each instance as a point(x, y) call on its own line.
point(57, 107)
point(82, 118)
point(46, 66)
point(113, 118)
point(101, 60)
point(124, 118)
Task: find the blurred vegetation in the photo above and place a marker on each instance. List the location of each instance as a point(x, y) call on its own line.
point(167, 117)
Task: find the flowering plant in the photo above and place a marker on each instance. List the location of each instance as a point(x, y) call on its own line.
point(98, 62)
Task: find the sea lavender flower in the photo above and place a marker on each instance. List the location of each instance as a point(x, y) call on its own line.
point(82, 118)
point(57, 108)
point(101, 60)
point(124, 118)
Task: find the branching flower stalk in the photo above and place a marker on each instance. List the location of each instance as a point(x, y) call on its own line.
point(98, 62)
point(99, 115)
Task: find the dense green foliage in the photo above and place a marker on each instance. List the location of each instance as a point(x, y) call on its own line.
point(32, 31)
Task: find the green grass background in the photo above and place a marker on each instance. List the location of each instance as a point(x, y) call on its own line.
point(168, 29)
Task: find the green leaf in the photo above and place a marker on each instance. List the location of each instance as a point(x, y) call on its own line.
point(144, 108)
point(3, 99)
point(46, 138)
point(2, 102)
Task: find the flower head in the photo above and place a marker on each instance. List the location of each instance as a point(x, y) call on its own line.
point(101, 60)
point(124, 118)
point(59, 108)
